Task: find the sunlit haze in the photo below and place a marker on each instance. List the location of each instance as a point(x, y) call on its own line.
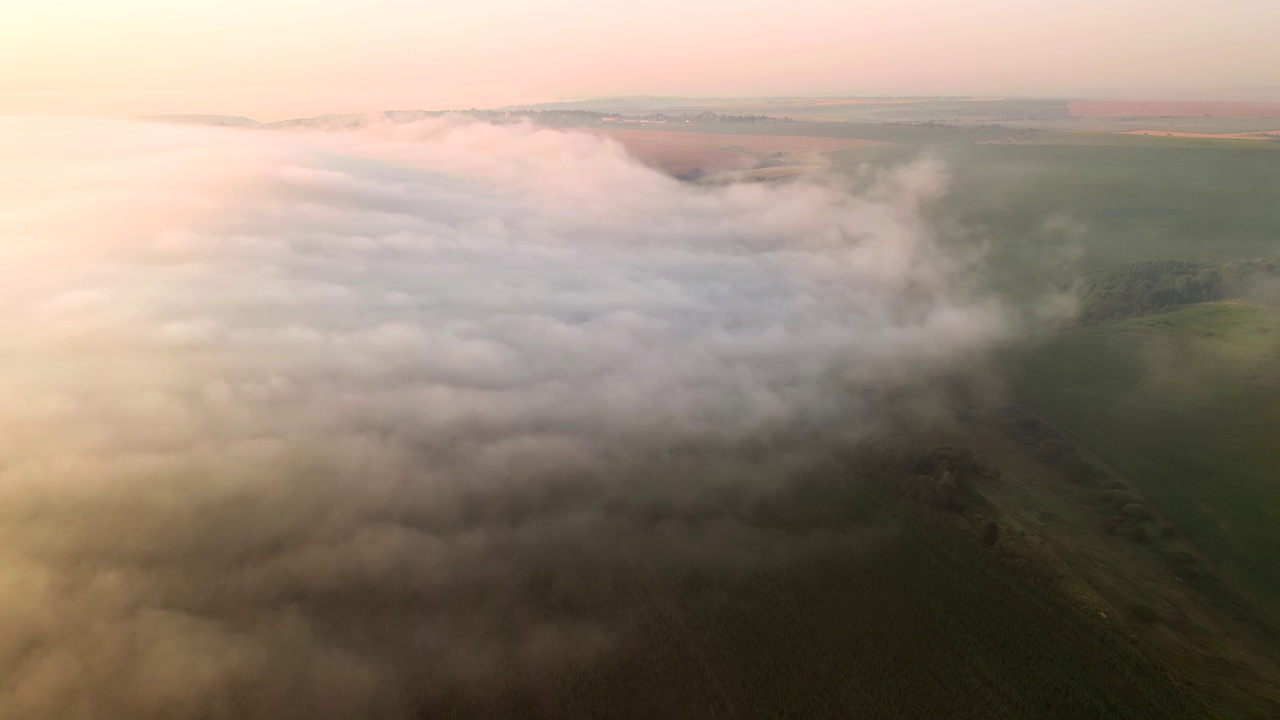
point(288, 58)
point(492, 360)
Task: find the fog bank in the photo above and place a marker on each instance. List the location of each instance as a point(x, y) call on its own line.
point(318, 422)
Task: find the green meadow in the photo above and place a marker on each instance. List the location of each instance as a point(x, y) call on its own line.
point(1187, 405)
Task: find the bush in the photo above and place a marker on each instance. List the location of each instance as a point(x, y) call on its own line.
point(1148, 286)
point(1050, 451)
point(990, 533)
point(1116, 498)
point(1138, 534)
point(1136, 511)
point(1086, 473)
point(1185, 565)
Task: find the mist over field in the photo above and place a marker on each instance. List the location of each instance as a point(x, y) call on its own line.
point(311, 422)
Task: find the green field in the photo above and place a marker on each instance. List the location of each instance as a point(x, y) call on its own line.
point(1040, 215)
point(908, 134)
point(957, 109)
point(1187, 405)
point(915, 620)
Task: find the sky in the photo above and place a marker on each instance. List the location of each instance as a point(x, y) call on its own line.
point(290, 58)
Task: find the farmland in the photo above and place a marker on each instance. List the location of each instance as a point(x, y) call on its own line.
point(1177, 109)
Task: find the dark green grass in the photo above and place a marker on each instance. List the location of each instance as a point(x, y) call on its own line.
point(1186, 404)
point(925, 628)
point(922, 622)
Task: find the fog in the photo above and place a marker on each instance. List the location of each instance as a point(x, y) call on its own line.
point(293, 422)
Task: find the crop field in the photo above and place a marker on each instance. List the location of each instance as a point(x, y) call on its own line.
point(1117, 136)
point(1106, 108)
point(1042, 214)
point(1253, 135)
point(679, 153)
point(1187, 405)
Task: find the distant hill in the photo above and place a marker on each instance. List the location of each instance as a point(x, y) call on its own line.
point(222, 120)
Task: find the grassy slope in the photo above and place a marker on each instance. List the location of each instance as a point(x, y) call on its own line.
point(1188, 405)
point(1061, 526)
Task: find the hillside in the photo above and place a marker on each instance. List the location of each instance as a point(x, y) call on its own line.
point(1187, 405)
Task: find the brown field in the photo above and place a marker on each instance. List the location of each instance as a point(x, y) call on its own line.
point(683, 152)
point(1174, 109)
point(775, 173)
point(1260, 135)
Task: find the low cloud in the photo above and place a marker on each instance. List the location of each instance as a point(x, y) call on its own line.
point(333, 422)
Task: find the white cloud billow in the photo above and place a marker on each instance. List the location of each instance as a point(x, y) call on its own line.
point(239, 369)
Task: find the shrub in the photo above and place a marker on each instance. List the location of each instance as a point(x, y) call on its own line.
point(1116, 498)
point(1136, 511)
point(1050, 451)
point(990, 533)
point(1185, 565)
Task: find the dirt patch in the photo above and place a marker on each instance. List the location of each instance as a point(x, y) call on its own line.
point(1093, 109)
point(680, 153)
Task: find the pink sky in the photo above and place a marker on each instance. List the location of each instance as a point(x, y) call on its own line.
point(288, 58)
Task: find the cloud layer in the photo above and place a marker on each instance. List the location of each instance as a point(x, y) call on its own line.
point(296, 420)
